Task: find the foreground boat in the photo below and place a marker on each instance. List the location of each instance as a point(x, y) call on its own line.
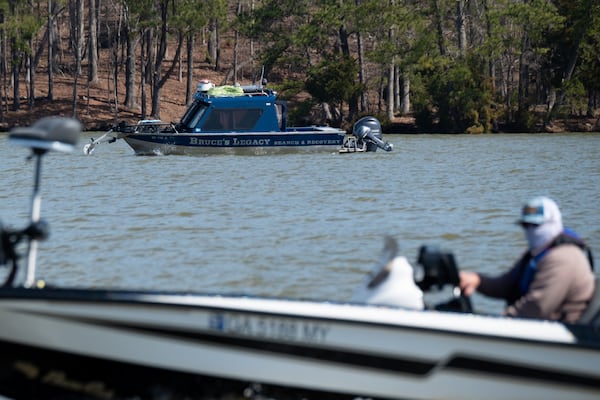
point(120, 344)
point(232, 120)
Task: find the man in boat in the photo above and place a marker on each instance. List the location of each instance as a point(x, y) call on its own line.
point(554, 278)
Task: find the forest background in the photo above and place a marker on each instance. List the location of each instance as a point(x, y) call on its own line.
point(418, 65)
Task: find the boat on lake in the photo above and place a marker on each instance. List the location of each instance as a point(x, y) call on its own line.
point(386, 342)
point(230, 120)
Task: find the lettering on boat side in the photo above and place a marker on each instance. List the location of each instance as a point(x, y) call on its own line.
point(194, 141)
point(209, 142)
point(236, 142)
point(270, 328)
point(322, 141)
point(287, 143)
point(251, 142)
point(305, 142)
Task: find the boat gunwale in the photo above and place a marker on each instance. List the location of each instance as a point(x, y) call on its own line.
point(141, 297)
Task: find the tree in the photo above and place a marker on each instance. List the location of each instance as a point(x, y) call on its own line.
point(191, 19)
point(76, 41)
point(92, 42)
point(158, 78)
point(589, 70)
point(569, 43)
point(458, 96)
point(333, 81)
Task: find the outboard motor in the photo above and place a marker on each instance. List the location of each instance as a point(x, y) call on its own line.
point(368, 130)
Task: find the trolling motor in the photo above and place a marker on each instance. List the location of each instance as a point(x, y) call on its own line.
point(438, 270)
point(368, 130)
point(50, 133)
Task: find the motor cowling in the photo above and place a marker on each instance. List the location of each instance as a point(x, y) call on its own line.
point(438, 269)
point(368, 130)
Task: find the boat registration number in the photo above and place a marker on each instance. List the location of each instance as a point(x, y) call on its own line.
point(271, 328)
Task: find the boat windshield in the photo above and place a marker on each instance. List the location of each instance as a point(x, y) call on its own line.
point(193, 114)
point(232, 119)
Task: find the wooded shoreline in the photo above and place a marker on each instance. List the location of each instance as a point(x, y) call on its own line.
point(431, 66)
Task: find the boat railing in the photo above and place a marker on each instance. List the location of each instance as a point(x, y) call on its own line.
point(154, 127)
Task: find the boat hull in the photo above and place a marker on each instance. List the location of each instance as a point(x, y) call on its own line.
point(114, 344)
point(296, 141)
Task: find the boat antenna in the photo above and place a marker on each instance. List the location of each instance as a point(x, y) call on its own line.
point(49, 133)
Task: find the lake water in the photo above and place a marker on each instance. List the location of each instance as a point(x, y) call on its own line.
point(301, 226)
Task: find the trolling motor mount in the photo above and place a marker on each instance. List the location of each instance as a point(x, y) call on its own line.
point(438, 270)
point(49, 133)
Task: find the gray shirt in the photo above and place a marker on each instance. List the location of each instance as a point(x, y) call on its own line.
point(560, 290)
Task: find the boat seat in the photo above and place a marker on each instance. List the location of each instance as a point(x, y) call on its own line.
point(591, 315)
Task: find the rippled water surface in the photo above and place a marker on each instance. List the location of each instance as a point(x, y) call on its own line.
point(308, 225)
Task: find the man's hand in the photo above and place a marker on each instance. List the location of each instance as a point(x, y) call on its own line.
point(469, 282)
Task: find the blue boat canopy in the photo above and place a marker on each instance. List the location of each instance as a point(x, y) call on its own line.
point(234, 109)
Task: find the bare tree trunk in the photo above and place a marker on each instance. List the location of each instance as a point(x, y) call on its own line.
point(50, 51)
point(438, 17)
point(160, 56)
point(509, 88)
point(397, 80)
point(149, 64)
point(391, 74)
point(590, 104)
point(132, 40)
point(390, 90)
point(158, 85)
point(345, 46)
point(361, 70)
point(3, 69)
point(461, 27)
point(524, 61)
point(16, 63)
point(405, 95)
point(93, 43)
point(189, 88)
point(76, 10)
point(76, 37)
point(236, 43)
point(116, 43)
point(488, 32)
point(213, 43)
point(143, 72)
point(130, 72)
point(31, 74)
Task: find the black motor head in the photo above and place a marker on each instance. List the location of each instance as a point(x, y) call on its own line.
point(439, 268)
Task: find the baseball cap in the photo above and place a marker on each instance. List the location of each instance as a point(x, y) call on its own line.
point(540, 210)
